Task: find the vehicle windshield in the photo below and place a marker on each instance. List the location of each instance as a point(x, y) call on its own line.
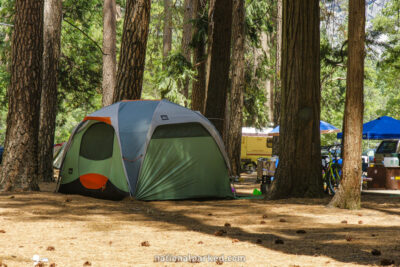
point(387, 147)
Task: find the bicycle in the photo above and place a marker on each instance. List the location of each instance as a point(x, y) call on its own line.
point(331, 169)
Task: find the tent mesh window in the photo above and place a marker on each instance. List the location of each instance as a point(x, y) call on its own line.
point(180, 131)
point(97, 142)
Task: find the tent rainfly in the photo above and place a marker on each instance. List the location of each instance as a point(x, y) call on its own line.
point(151, 150)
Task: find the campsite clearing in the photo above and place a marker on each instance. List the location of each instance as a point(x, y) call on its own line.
point(71, 230)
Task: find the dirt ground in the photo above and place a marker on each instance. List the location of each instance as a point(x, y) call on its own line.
point(81, 231)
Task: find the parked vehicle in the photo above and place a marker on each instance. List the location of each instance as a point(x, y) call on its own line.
point(255, 144)
point(387, 148)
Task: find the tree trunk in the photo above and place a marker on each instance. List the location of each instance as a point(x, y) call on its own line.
point(267, 42)
point(167, 32)
point(299, 169)
point(218, 61)
point(277, 86)
point(133, 50)
point(109, 50)
point(234, 136)
point(20, 165)
point(199, 60)
point(349, 196)
point(48, 107)
point(186, 39)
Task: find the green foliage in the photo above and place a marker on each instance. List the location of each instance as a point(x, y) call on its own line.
point(260, 66)
point(6, 17)
point(173, 76)
point(201, 25)
point(80, 66)
point(155, 77)
point(387, 25)
point(81, 60)
point(260, 17)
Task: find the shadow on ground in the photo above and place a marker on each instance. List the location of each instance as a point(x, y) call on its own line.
point(258, 222)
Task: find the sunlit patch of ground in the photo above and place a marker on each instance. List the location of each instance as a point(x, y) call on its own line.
point(108, 233)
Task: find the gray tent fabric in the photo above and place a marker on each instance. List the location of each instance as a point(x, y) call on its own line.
point(133, 135)
point(134, 123)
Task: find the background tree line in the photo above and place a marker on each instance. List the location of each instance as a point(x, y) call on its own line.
point(221, 58)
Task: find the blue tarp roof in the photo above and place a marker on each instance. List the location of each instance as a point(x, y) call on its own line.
point(324, 127)
point(382, 128)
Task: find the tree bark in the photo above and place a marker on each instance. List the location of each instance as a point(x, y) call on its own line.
point(186, 39)
point(48, 106)
point(349, 196)
point(109, 50)
point(234, 136)
point(299, 169)
point(218, 61)
point(199, 60)
point(167, 32)
point(20, 165)
point(133, 50)
point(277, 86)
point(267, 43)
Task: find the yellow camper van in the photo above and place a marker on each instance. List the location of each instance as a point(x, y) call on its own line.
point(255, 144)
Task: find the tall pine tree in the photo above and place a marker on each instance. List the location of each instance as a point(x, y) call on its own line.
point(349, 195)
point(133, 50)
point(299, 169)
point(20, 165)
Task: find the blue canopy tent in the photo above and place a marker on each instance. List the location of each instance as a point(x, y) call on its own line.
point(382, 128)
point(323, 126)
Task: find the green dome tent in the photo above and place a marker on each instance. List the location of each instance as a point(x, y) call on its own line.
point(151, 150)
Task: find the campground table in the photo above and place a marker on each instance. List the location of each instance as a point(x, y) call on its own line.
point(384, 177)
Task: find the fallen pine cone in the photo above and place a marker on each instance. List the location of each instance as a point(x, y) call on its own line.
point(301, 232)
point(349, 238)
point(219, 262)
point(87, 263)
point(386, 262)
point(235, 240)
point(210, 214)
point(282, 220)
point(375, 252)
point(220, 232)
point(200, 242)
point(145, 244)
point(50, 248)
point(344, 221)
point(262, 222)
point(227, 225)
point(52, 265)
point(360, 222)
point(39, 264)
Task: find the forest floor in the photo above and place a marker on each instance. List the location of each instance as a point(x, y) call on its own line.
point(81, 231)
